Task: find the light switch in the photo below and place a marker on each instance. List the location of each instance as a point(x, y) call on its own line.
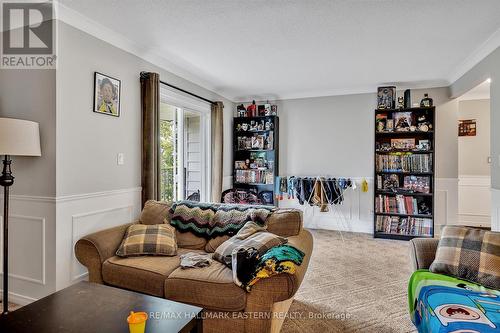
point(120, 159)
point(489, 160)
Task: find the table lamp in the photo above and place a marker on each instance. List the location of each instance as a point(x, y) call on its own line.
point(17, 138)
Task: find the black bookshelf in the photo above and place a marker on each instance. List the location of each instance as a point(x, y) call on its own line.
point(404, 179)
point(259, 175)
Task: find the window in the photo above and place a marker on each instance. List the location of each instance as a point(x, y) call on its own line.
point(184, 147)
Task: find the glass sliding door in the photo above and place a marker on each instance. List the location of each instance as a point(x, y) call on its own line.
point(184, 148)
point(168, 152)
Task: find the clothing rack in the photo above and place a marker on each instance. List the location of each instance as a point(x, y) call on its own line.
point(327, 189)
point(325, 192)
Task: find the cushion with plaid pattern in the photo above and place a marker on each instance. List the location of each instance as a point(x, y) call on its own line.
point(248, 237)
point(469, 254)
point(142, 239)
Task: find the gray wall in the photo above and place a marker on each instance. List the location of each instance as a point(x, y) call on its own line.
point(473, 151)
point(88, 142)
point(489, 67)
point(31, 95)
point(335, 135)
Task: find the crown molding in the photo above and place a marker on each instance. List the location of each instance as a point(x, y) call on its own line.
point(145, 52)
point(484, 50)
point(368, 89)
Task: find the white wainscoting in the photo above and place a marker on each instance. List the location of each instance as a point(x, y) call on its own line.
point(474, 200)
point(41, 256)
point(446, 203)
point(495, 209)
point(79, 215)
point(31, 248)
point(356, 214)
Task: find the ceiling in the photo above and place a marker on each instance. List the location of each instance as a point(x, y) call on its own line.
point(277, 49)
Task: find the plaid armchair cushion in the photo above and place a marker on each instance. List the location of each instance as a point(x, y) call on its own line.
point(141, 239)
point(469, 254)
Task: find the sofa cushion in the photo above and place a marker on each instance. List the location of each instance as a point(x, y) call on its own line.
point(143, 274)
point(470, 254)
point(140, 239)
point(215, 242)
point(189, 240)
point(209, 287)
point(155, 212)
point(285, 222)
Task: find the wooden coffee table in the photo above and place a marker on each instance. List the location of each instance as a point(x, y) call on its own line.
point(89, 307)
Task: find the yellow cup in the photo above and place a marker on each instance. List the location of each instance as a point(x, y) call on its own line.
point(137, 322)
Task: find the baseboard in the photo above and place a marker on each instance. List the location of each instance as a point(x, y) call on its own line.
point(20, 299)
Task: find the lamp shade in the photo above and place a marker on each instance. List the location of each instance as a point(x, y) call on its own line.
point(19, 137)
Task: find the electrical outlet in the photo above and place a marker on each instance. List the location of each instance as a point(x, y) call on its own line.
point(120, 159)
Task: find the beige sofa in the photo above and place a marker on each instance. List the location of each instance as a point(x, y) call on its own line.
point(227, 307)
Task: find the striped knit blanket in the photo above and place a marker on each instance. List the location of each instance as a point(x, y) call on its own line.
point(209, 219)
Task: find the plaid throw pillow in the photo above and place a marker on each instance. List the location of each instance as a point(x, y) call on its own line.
point(469, 254)
point(141, 239)
point(262, 241)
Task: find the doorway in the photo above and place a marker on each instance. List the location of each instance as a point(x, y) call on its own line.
point(184, 148)
point(474, 159)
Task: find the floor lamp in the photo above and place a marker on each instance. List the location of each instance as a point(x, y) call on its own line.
point(17, 138)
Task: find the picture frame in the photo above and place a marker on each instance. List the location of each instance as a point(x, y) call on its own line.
point(467, 127)
point(107, 95)
point(402, 121)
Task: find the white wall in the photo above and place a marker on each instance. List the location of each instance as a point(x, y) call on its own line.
point(473, 151)
point(335, 136)
point(489, 67)
point(474, 186)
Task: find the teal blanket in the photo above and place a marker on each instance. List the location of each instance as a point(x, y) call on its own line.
point(277, 260)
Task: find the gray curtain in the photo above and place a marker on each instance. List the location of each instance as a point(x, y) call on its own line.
point(150, 96)
point(217, 149)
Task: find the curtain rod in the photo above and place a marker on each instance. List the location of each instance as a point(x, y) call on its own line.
point(187, 92)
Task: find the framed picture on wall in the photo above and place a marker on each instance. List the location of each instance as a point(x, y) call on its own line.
point(107, 95)
point(467, 127)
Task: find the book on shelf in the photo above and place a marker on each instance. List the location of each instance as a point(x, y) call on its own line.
point(406, 162)
point(411, 226)
point(401, 204)
point(264, 177)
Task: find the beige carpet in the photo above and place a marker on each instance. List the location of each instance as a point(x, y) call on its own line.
point(360, 283)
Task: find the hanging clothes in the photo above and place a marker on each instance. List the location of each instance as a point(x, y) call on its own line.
point(319, 196)
point(315, 191)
